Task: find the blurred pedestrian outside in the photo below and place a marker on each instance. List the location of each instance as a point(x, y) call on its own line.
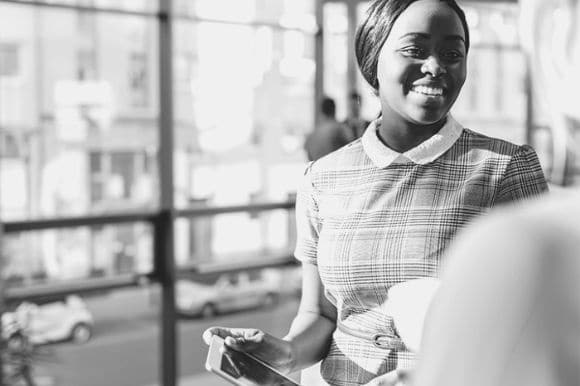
point(329, 135)
point(354, 121)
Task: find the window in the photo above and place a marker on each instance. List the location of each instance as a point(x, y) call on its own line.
point(493, 99)
point(81, 75)
point(120, 179)
point(138, 79)
point(9, 60)
point(86, 50)
point(11, 145)
point(85, 95)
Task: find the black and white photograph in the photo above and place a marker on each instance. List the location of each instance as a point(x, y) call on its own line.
point(289, 192)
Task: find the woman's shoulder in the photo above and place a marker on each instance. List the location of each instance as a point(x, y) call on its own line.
point(477, 140)
point(347, 157)
point(480, 146)
point(344, 168)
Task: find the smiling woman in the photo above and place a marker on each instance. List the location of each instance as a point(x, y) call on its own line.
point(382, 210)
point(425, 67)
point(417, 68)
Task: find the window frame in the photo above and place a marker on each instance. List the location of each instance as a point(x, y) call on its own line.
point(162, 219)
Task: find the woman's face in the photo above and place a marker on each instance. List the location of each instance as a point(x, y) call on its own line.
point(422, 64)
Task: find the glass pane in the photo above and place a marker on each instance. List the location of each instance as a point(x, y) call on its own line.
point(335, 27)
point(244, 299)
point(241, 112)
point(574, 152)
point(234, 238)
point(104, 338)
point(125, 5)
point(493, 99)
point(370, 104)
point(78, 112)
point(286, 13)
point(76, 253)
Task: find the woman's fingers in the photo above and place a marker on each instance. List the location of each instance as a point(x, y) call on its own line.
point(235, 337)
point(398, 377)
point(270, 349)
point(405, 375)
point(388, 379)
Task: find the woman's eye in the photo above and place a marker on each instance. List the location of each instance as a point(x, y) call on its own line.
point(412, 51)
point(452, 55)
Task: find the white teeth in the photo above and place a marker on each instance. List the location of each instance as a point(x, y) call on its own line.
point(433, 91)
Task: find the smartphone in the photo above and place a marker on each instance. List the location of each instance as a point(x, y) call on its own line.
point(241, 368)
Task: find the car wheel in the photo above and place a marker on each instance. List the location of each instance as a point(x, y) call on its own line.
point(15, 342)
point(208, 311)
point(81, 333)
point(270, 299)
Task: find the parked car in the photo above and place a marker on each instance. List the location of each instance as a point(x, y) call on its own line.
point(231, 292)
point(286, 280)
point(51, 322)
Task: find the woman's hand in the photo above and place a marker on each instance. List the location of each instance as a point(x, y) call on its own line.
point(275, 351)
point(399, 377)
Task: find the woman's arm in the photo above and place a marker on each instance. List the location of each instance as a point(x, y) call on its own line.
point(311, 331)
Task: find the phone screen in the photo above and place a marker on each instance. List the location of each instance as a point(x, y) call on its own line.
point(249, 371)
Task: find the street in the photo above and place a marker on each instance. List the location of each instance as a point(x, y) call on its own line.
point(125, 348)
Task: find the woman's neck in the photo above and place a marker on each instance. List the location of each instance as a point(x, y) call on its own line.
point(401, 135)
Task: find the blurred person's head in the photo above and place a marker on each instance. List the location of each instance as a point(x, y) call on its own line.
point(413, 53)
point(508, 307)
point(328, 107)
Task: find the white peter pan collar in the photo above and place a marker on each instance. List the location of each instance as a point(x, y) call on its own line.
point(424, 153)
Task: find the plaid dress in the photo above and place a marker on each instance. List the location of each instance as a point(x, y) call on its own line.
point(370, 217)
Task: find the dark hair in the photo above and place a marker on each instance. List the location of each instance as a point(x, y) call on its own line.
point(376, 26)
point(328, 107)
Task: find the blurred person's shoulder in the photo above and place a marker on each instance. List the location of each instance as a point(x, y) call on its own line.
point(560, 209)
point(347, 157)
point(551, 216)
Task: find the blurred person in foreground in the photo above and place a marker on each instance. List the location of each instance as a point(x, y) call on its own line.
point(382, 210)
point(329, 135)
point(508, 307)
point(354, 121)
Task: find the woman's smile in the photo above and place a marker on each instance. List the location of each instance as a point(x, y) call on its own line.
point(428, 91)
point(427, 94)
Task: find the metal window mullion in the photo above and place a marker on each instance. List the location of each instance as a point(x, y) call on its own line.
point(529, 95)
point(351, 66)
point(164, 224)
point(246, 23)
point(79, 221)
point(2, 307)
point(79, 8)
point(318, 59)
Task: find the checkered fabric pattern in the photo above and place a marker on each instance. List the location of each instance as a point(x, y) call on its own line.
point(370, 218)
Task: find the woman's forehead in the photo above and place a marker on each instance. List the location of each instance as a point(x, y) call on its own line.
point(427, 17)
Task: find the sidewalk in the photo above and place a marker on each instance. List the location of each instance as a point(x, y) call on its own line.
point(208, 379)
point(203, 379)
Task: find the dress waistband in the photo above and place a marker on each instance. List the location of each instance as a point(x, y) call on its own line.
point(379, 340)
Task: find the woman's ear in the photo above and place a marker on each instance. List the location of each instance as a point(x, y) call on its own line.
point(376, 89)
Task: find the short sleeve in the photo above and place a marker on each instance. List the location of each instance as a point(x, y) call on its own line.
point(307, 220)
point(523, 177)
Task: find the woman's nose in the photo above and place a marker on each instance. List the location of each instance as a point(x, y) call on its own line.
point(433, 66)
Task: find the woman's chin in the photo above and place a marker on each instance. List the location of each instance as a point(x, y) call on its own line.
point(427, 115)
point(427, 119)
